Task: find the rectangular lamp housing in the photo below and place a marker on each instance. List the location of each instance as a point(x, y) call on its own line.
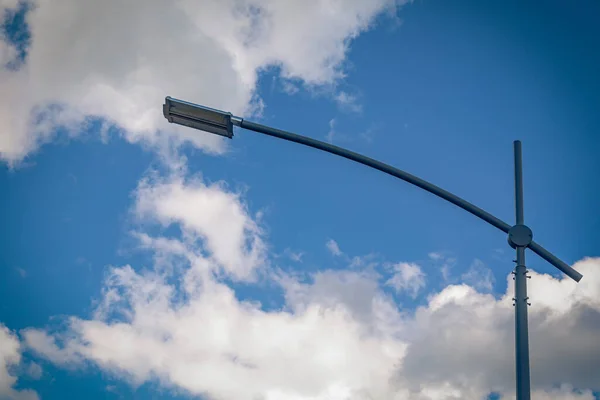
point(198, 117)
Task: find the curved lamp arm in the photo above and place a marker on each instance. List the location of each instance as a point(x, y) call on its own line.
point(405, 176)
point(388, 169)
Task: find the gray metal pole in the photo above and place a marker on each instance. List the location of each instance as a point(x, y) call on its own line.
point(520, 272)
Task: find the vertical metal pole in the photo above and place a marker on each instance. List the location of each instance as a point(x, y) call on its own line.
point(519, 183)
point(521, 328)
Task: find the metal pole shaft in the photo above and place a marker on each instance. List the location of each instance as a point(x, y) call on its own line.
point(519, 183)
point(521, 326)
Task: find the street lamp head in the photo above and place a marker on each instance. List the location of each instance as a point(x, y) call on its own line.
point(198, 117)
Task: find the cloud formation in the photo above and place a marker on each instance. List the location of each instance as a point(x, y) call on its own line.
point(209, 52)
point(333, 247)
point(479, 276)
point(407, 277)
point(209, 214)
point(467, 337)
point(338, 335)
point(10, 357)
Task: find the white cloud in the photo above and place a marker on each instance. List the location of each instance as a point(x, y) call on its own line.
point(347, 102)
point(358, 292)
point(208, 213)
point(295, 256)
point(368, 134)
point(207, 52)
point(334, 135)
point(47, 345)
point(10, 357)
point(461, 327)
point(34, 370)
point(479, 276)
point(205, 344)
point(407, 277)
point(8, 4)
point(331, 133)
point(444, 262)
point(8, 53)
point(289, 87)
point(564, 392)
point(445, 270)
point(338, 336)
point(333, 247)
point(368, 262)
point(342, 338)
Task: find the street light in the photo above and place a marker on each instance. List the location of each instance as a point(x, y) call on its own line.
point(198, 117)
point(520, 236)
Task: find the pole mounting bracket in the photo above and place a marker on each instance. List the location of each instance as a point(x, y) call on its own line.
point(519, 236)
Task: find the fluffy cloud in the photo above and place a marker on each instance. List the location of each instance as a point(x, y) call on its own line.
point(348, 102)
point(338, 336)
point(7, 52)
point(445, 264)
point(407, 277)
point(357, 292)
point(207, 51)
point(10, 356)
point(462, 327)
point(208, 214)
point(34, 371)
point(479, 276)
point(8, 4)
point(331, 133)
point(213, 339)
point(333, 247)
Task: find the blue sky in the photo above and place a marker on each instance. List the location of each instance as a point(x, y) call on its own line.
point(439, 89)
